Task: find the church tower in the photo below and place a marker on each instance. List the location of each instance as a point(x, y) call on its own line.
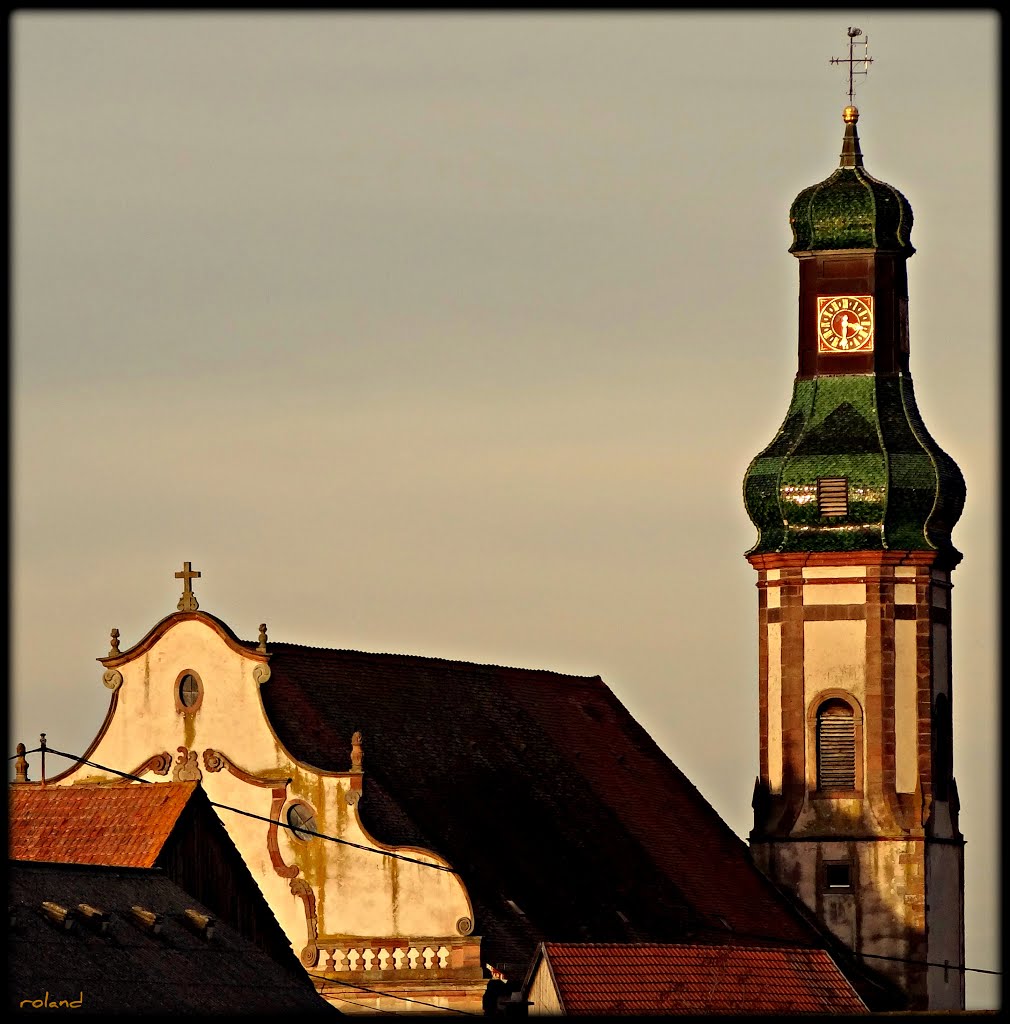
point(855, 806)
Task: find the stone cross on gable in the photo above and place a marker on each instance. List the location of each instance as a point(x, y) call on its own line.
point(188, 601)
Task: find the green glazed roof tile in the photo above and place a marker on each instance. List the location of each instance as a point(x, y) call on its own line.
point(851, 210)
point(904, 492)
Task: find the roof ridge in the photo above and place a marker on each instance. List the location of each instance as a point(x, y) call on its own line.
point(450, 662)
point(757, 947)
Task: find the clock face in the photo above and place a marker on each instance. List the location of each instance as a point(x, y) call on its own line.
point(845, 323)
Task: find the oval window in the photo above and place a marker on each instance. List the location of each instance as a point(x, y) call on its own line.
point(189, 690)
point(302, 822)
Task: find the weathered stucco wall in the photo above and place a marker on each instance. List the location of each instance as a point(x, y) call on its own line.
point(834, 658)
point(884, 914)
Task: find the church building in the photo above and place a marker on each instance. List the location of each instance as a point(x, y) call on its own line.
point(417, 825)
point(421, 826)
point(855, 805)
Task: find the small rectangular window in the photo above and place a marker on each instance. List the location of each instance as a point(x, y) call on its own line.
point(837, 877)
point(833, 496)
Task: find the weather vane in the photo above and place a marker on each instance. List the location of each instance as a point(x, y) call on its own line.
point(852, 60)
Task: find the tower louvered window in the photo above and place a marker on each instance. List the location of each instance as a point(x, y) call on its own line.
point(836, 746)
point(833, 496)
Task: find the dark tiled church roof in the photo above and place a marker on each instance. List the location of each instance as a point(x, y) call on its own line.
point(563, 817)
point(906, 492)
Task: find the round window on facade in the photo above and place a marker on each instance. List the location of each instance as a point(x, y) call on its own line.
point(188, 693)
point(302, 822)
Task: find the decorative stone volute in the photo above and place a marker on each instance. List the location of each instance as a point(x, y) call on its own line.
point(187, 766)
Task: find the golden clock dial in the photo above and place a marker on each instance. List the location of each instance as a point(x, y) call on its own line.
point(845, 323)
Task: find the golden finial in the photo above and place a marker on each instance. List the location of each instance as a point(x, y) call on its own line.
point(850, 115)
point(113, 643)
point(262, 648)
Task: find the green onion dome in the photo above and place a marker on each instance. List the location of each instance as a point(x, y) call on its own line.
point(853, 468)
point(851, 209)
point(901, 491)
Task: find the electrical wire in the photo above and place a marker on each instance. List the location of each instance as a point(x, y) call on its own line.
point(301, 829)
point(421, 1002)
point(364, 1006)
point(852, 952)
point(440, 867)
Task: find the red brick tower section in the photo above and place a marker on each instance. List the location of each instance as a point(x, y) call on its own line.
point(855, 804)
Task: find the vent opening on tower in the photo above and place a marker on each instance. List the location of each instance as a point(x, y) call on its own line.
point(833, 496)
point(836, 746)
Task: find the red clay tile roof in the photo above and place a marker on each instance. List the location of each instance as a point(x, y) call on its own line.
point(691, 979)
point(539, 788)
point(127, 827)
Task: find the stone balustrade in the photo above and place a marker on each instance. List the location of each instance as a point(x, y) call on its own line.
point(398, 958)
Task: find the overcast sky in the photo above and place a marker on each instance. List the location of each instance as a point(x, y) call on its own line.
point(453, 335)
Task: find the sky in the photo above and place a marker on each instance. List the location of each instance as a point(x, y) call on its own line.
point(453, 334)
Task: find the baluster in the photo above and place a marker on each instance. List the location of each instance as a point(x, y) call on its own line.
point(443, 956)
point(383, 959)
point(412, 957)
point(354, 959)
point(369, 958)
point(429, 955)
point(399, 957)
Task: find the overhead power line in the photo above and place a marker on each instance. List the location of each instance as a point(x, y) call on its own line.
point(421, 1002)
point(852, 952)
point(301, 829)
point(440, 867)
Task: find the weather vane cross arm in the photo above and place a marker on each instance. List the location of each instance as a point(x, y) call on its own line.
point(852, 60)
point(188, 602)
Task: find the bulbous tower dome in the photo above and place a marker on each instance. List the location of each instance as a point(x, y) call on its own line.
point(851, 209)
point(853, 468)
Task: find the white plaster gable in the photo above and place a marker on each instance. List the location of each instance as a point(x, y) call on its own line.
point(323, 892)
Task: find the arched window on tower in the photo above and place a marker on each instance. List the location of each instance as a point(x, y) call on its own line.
point(836, 745)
